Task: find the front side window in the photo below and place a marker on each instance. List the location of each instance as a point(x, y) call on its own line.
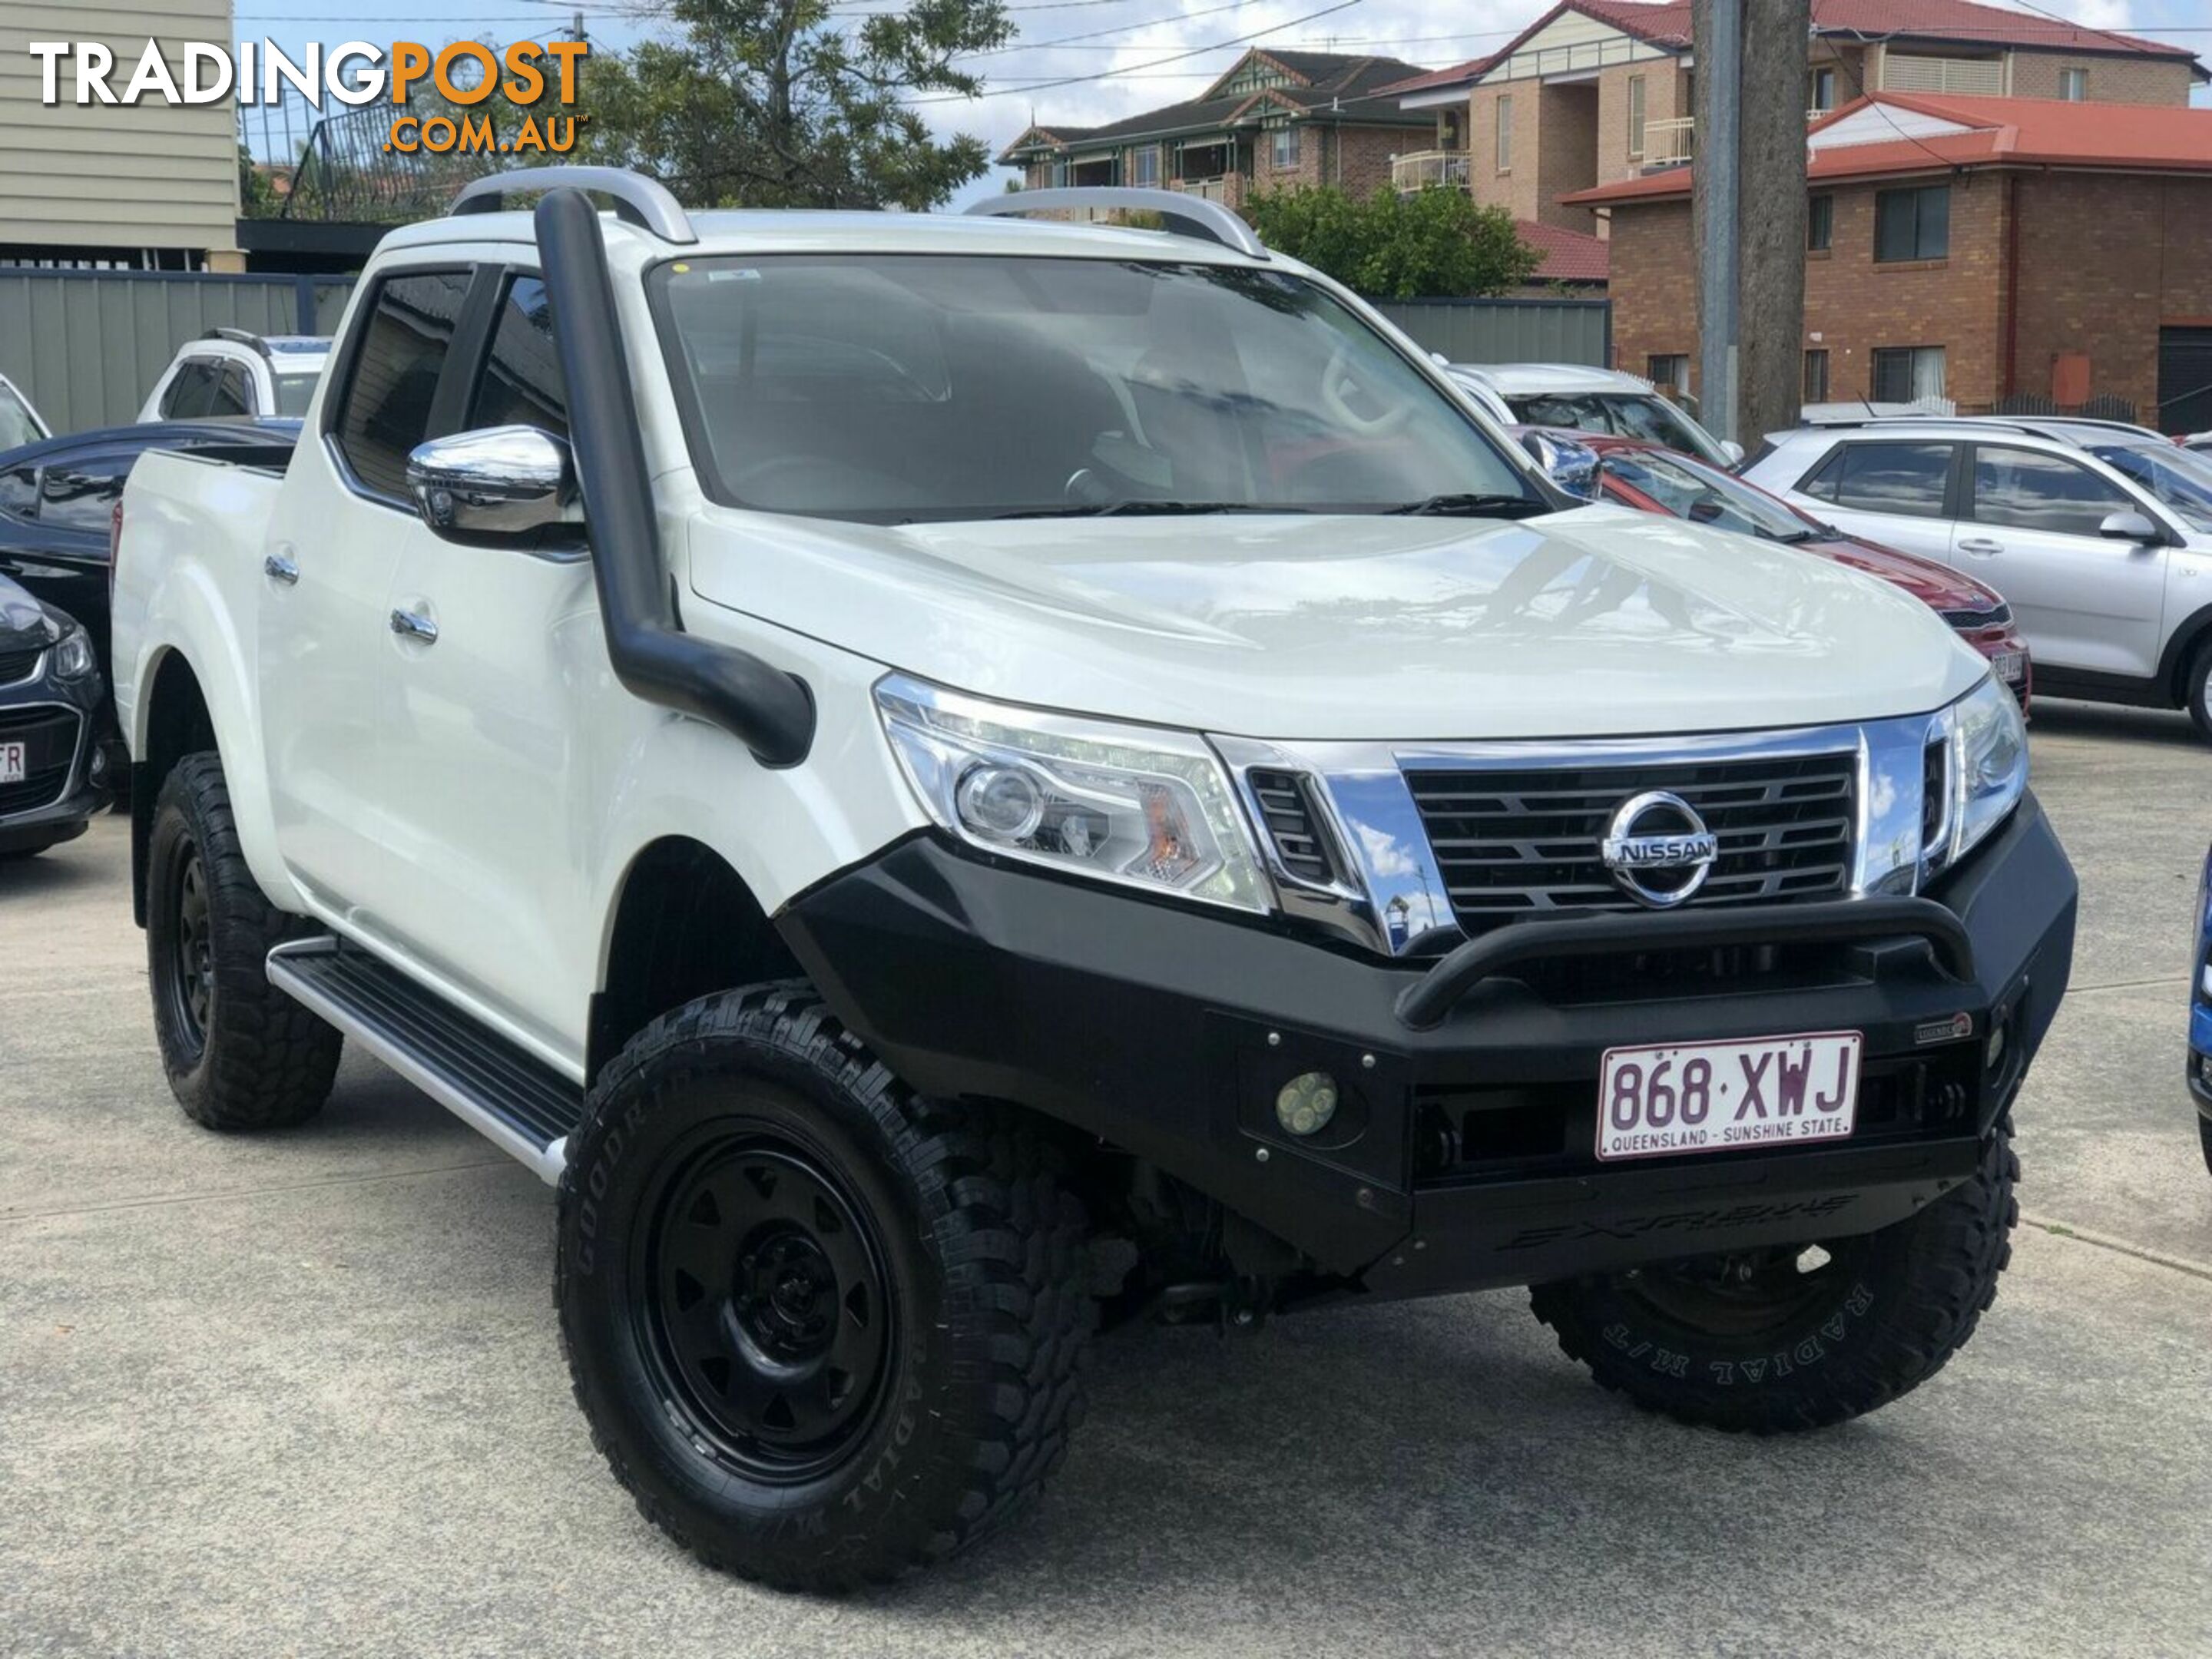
point(405, 331)
point(234, 394)
point(191, 389)
point(2029, 490)
point(895, 389)
point(521, 381)
point(1703, 495)
point(1819, 224)
point(1909, 480)
point(1913, 224)
point(1506, 133)
point(1284, 148)
point(2179, 479)
point(1903, 373)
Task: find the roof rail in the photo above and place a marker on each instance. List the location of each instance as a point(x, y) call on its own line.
point(243, 336)
point(1186, 215)
point(638, 200)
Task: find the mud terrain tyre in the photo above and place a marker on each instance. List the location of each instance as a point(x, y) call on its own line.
point(1782, 1339)
point(823, 1331)
point(240, 1053)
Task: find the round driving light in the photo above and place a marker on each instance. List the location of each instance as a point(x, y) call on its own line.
point(1003, 801)
point(1307, 1103)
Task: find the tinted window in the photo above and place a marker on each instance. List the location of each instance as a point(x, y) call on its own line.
point(193, 390)
point(294, 391)
point(1902, 478)
point(521, 382)
point(232, 396)
point(404, 334)
point(1706, 496)
point(2181, 478)
point(1913, 224)
point(2028, 489)
point(19, 491)
point(80, 495)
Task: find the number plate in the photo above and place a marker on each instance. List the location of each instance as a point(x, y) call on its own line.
point(2008, 667)
point(13, 767)
point(1717, 1096)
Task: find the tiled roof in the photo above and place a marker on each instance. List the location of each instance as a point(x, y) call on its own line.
point(1570, 256)
point(2000, 132)
point(1458, 75)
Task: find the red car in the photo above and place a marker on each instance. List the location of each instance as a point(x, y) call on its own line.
point(1651, 479)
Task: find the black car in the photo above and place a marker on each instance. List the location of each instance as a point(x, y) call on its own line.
point(57, 502)
point(54, 775)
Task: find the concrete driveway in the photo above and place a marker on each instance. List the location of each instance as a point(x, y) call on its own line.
point(302, 1394)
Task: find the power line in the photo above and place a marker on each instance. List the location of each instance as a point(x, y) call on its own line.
point(1068, 40)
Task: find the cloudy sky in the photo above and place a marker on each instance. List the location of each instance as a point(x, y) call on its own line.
point(1149, 52)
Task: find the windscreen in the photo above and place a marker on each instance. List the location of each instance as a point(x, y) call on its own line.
point(1706, 496)
point(1643, 415)
point(2180, 478)
point(906, 388)
point(296, 391)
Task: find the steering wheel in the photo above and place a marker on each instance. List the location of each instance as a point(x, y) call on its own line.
point(1340, 383)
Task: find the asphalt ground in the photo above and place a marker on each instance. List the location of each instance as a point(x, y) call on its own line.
point(302, 1394)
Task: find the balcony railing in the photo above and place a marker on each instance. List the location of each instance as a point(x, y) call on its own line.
point(1425, 167)
point(1213, 189)
point(1669, 144)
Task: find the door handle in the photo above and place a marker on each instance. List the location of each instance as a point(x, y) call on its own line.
point(1980, 545)
point(279, 568)
point(414, 625)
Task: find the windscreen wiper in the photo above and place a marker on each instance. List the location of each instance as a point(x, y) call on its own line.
point(1472, 506)
point(1140, 509)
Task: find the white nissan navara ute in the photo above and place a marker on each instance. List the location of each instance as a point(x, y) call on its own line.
point(952, 780)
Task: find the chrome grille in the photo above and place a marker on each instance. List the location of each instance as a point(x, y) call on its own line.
point(1287, 803)
point(1521, 843)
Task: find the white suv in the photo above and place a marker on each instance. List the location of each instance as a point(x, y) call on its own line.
point(2099, 535)
point(951, 779)
point(237, 375)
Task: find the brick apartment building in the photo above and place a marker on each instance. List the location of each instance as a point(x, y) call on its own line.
point(1979, 249)
point(1276, 120)
point(1598, 92)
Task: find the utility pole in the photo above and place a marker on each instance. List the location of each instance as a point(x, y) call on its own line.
point(1747, 196)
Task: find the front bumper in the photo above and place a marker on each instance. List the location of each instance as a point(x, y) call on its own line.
point(1461, 1154)
point(68, 770)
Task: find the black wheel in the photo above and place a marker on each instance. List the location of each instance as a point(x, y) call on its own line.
point(823, 1331)
point(2199, 688)
point(1802, 1336)
point(239, 1053)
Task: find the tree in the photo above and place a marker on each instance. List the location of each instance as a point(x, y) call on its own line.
point(1436, 242)
point(774, 103)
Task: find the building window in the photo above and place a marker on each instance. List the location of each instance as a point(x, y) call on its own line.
point(1823, 94)
point(2073, 85)
point(1506, 134)
point(1819, 224)
point(1913, 224)
point(1816, 376)
point(1145, 164)
point(1283, 150)
point(1901, 373)
point(1669, 372)
point(1635, 117)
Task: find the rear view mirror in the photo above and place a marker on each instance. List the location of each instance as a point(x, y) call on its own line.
point(1571, 466)
point(502, 483)
point(2129, 527)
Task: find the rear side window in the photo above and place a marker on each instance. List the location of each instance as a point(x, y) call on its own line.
point(2028, 489)
point(80, 495)
point(521, 381)
point(191, 391)
point(405, 332)
point(232, 396)
point(1906, 479)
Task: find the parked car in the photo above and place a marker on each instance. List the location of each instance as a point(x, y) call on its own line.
point(233, 373)
point(1599, 400)
point(54, 774)
point(58, 501)
point(19, 423)
point(2199, 1072)
point(828, 881)
point(1653, 479)
point(2101, 541)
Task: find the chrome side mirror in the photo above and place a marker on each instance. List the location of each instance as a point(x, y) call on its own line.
point(2125, 526)
point(502, 483)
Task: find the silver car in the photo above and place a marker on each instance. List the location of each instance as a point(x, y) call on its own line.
point(2099, 534)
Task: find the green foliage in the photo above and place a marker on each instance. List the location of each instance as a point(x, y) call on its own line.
point(1436, 243)
point(777, 103)
point(256, 196)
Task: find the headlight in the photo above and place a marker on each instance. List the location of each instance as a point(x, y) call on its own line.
point(1989, 762)
point(73, 658)
point(1149, 809)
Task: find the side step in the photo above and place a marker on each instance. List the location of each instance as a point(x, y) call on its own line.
point(511, 1097)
